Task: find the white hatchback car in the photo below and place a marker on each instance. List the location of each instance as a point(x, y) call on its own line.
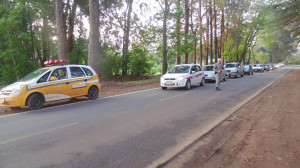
point(184, 75)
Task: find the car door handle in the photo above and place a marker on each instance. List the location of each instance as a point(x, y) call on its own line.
point(67, 83)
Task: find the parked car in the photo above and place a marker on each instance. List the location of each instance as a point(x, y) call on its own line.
point(271, 66)
point(248, 69)
point(52, 83)
point(209, 73)
point(281, 64)
point(266, 67)
point(258, 68)
point(183, 75)
point(277, 66)
point(234, 69)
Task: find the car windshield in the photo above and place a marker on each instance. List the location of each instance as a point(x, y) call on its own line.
point(257, 65)
point(33, 75)
point(208, 68)
point(180, 69)
point(246, 66)
point(230, 65)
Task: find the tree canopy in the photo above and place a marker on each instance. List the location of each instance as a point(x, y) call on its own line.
point(138, 37)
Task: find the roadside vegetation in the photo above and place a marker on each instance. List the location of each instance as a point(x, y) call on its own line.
point(144, 38)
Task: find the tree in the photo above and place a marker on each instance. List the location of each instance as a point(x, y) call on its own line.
point(126, 38)
point(94, 45)
point(61, 31)
point(186, 30)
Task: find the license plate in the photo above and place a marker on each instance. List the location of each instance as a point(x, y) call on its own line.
point(169, 82)
point(1, 100)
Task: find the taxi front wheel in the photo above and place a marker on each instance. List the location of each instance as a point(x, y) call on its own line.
point(35, 101)
point(93, 93)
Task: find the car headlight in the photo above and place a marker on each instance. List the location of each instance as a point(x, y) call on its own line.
point(180, 78)
point(16, 91)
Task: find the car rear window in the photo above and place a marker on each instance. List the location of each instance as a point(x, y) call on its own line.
point(208, 68)
point(76, 72)
point(87, 71)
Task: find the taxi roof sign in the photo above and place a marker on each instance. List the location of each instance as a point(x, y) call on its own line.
point(56, 62)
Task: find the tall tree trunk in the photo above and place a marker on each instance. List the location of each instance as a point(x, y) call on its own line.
point(222, 36)
point(126, 39)
point(165, 62)
point(186, 31)
point(61, 32)
point(193, 32)
point(201, 33)
point(211, 31)
point(178, 56)
point(70, 43)
point(215, 32)
point(45, 40)
point(207, 35)
point(94, 36)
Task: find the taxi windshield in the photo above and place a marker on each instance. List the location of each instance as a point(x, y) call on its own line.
point(208, 68)
point(180, 69)
point(33, 75)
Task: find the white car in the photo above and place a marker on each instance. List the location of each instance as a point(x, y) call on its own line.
point(210, 73)
point(184, 75)
point(258, 67)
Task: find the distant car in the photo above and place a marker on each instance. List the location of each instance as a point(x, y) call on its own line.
point(248, 69)
point(281, 64)
point(184, 75)
point(234, 69)
point(210, 73)
point(52, 83)
point(277, 66)
point(271, 66)
point(266, 67)
point(258, 68)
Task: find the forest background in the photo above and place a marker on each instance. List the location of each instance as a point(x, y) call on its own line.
point(138, 37)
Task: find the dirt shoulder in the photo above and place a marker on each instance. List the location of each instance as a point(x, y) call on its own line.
point(108, 88)
point(262, 133)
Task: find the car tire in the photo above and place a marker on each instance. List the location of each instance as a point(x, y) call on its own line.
point(164, 88)
point(188, 85)
point(202, 82)
point(35, 101)
point(93, 93)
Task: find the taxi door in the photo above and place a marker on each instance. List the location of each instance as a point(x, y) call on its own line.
point(78, 82)
point(58, 85)
point(196, 76)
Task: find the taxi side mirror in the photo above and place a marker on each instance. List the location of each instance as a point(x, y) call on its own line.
point(52, 78)
point(193, 72)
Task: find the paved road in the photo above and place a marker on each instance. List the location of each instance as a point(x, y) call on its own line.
point(134, 130)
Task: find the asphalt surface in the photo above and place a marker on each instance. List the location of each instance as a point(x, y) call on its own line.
point(139, 129)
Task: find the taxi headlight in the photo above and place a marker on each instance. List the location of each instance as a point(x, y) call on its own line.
point(180, 78)
point(16, 91)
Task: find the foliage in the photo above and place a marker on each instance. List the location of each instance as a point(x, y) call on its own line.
point(139, 58)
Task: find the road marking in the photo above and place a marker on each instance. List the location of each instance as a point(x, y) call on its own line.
point(37, 133)
point(174, 96)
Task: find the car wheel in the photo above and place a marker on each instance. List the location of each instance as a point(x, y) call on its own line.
point(35, 101)
point(188, 85)
point(93, 93)
point(164, 88)
point(202, 82)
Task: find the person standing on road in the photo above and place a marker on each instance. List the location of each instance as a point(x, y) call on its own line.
point(218, 71)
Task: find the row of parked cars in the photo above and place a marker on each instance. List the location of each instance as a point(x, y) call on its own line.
point(186, 75)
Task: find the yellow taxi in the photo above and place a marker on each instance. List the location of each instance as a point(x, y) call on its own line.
point(55, 82)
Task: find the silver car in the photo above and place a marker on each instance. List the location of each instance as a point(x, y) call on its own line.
point(210, 73)
point(234, 69)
